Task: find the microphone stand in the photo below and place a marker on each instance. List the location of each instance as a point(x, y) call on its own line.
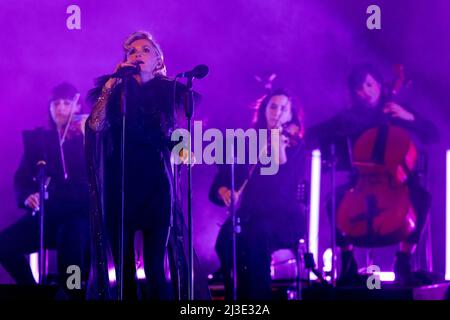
point(304, 255)
point(236, 227)
point(123, 109)
point(189, 109)
point(332, 164)
point(176, 175)
point(41, 177)
point(198, 72)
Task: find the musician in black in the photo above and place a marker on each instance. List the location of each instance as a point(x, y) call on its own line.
point(373, 104)
point(269, 212)
point(61, 146)
point(149, 204)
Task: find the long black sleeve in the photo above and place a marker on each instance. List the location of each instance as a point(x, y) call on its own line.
point(223, 179)
point(423, 128)
point(24, 185)
point(291, 172)
point(218, 182)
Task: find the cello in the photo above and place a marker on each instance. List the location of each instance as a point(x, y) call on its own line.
point(377, 211)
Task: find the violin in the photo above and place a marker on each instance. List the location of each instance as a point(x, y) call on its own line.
point(378, 210)
point(75, 127)
point(293, 133)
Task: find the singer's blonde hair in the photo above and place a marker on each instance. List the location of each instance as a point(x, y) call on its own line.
point(160, 68)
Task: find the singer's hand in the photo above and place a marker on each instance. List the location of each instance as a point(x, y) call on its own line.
point(112, 82)
point(33, 201)
point(124, 64)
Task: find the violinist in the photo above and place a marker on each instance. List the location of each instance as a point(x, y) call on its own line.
point(61, 146)
point(373, 104)
point(268, 210)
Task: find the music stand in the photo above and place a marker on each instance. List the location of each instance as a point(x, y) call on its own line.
point(333, 138)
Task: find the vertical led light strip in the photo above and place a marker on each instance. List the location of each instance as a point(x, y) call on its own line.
point(34, 265)
point(387, 276)
point(314, 205)
point(112, 275)
point(447, 218)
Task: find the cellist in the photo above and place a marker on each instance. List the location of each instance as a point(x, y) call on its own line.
point(372, 104)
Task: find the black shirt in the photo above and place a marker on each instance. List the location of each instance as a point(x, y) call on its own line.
point(272, 199)
point(69, 194)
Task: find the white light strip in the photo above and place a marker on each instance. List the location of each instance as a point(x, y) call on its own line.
point(34, 265)
point(327, 260)
point(314, 205)
point(140, 273)
point(112, 275)
point(447, 218)
point(386, 276)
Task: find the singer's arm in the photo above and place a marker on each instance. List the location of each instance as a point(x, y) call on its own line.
point(97, 118)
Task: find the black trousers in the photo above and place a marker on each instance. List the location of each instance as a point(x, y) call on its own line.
point(147, 209)
point(154, 241)
point(259, 238)
point(67, 234)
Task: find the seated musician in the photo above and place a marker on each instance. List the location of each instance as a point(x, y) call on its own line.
point(269, 213)
point(66, 209)
point(373, 104)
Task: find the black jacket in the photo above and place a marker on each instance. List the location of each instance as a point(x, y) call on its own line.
point(64, 195)
point(150, 121)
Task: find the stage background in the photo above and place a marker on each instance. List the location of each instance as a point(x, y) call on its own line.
point(309, 45)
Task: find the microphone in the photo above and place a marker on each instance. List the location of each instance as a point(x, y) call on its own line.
point(198, 72)
point(127, 71)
